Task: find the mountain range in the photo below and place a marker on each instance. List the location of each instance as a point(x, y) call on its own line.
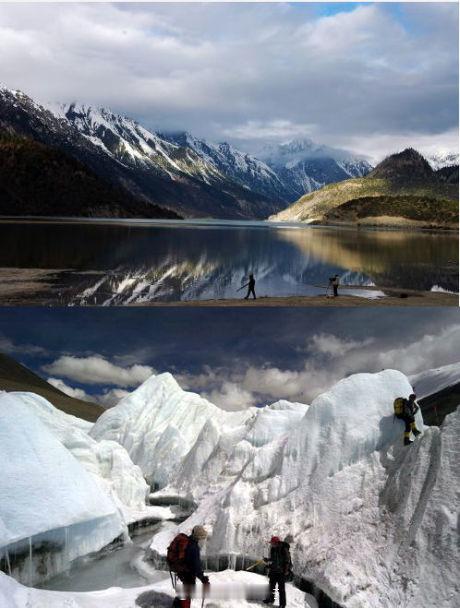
point(93, 162)
point(175, 171)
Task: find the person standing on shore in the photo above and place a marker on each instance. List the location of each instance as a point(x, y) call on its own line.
point(335, 281)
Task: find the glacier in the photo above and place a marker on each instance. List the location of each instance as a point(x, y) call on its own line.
point(373, 523)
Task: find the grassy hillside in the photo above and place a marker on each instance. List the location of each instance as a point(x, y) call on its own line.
point(429, 212)
point(16, 377)
point(402, 186)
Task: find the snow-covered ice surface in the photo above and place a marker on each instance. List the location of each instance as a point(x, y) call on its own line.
point(47, 496)
point(374, 523)
point(158, 595)
point(434, 380)
point(158, 424)
point(63, 494)
point(107, 461)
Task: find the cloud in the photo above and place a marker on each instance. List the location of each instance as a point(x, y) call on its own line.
point(77, 393)
point(246, 72)
point(231, 397)
point(108, 398)
point(270, 130)
point(12, 348)
point(97, 370)
point(329, 359)
point(334, 346)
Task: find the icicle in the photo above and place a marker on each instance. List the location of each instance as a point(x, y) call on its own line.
point(66, 545)
point(7, 557)
point(30, 562)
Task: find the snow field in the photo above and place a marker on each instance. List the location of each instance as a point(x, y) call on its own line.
point(160, 595)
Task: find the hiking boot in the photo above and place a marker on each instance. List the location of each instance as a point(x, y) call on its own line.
point(407, 441)
point(416, 432)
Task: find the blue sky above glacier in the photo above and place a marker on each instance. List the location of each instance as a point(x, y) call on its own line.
point(368, 77)
point(234, 357)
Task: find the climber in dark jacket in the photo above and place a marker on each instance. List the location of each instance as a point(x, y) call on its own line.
point(279, 568)
point(193, 567)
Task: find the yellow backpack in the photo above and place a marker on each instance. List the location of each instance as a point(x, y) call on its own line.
point(398, 406)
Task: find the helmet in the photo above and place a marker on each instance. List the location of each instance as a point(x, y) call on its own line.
point(199, 533)
point(274, 540)
point(412, 396)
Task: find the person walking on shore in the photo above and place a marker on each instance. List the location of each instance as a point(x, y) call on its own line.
point(250, 285)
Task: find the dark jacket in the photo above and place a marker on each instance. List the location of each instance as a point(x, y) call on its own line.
point(410, 408)
point(193, 560)
point(280, 559)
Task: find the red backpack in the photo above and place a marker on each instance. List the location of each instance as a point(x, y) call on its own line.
point(175, 555)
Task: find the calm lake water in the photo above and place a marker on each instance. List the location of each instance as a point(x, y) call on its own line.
point(121, 262)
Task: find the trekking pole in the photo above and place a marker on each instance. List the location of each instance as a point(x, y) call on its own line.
point(258, 563)
point(173, 582)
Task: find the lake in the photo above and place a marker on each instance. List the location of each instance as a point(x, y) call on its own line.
point(115, 262)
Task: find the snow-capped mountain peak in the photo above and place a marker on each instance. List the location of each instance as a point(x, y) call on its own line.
point(304, 165)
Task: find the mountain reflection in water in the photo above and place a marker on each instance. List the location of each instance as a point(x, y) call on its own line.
point(135, 262)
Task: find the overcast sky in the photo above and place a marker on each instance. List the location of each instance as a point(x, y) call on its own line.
point(372, 78)
point(235, 357)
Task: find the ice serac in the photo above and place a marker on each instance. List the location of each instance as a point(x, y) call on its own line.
point(159, 423)
point(107, 461)
point(51, 508)
point(374, 522)
point(220, 455)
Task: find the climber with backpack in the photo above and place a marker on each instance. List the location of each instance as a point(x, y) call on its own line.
point(279, 569)
point(184, 561)
point(405, 410)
